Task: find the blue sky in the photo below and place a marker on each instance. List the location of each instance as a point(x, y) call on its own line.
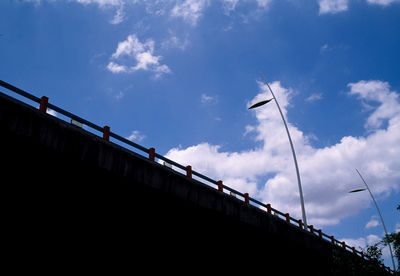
point(179, 76)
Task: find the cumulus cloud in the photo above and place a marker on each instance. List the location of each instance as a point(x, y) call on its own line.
point(267, 171)
point(229, 5)
point(116, 68)
point(175, 42)
point(377, 91)
point(383, 2)
point(119, 4)
point(192, 10)
point(208, 99)
point(135, 56)
point(362, 242)
point(373, 222)
point(136, 136)
point(332, 6)
point(189, 10)
point(263, 3)
point(102, 3)
point(119, 16)
point(337, 6)
point(314, 97)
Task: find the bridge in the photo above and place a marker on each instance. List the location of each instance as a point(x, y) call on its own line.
point(78, 194)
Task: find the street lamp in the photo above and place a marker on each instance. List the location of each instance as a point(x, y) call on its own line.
point(379, 212)
point(303, 211)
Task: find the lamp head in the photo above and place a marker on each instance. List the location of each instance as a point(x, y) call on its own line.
point(357, 190)
point(260, 103)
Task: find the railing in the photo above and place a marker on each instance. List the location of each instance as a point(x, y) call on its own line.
point(152, 154)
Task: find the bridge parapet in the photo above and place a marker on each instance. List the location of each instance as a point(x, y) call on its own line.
point(87, 180)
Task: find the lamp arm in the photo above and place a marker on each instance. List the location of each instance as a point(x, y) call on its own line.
point(303, 212)
point(380, 215)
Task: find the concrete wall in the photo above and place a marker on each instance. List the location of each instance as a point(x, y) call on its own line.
point(72, 198)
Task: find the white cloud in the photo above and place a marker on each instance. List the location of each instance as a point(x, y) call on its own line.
point(332, 6)
point(206, 98)
point(173, 41)
point(362, 242)
point(140, 54)
point(383, 2)
point(229, 5)
point(358, 244)
point(115, 68)
point(136, 136)
point(101, 3)
point(337, 6)
point(249, 129)
point(119, 4)
point(119, 96)
point(190, 10)
point(51, 112)
point(267, 171)
point(36, 2)
point(324, 48)
point(373, 239)
point(119, 16)
point(377, 91)
point(373, 222)
point(263, 3)
point(131, 46)
point(314, 97)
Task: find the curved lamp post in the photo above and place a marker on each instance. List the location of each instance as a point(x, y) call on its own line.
point(379, 212)
point(303, 211)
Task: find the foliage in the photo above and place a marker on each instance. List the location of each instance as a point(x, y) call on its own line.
point(346, 264)
point(374, 252)
point(394, 240)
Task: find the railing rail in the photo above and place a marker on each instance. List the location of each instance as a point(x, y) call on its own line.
point(245, 196)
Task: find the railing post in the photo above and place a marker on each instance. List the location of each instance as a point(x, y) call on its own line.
point(220, 186)
point(300, 224)
point(152, 154)
point(287, 217)
point(189, 171)
point(43, 104)
point(333, 239)
point(106, 133)
point(311, 229)
point(354, 250)
point(344, 245)
point(319, 233)
point(246, 198)
point(269, 208)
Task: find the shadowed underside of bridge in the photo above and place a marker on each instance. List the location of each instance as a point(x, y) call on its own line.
point(72, 198)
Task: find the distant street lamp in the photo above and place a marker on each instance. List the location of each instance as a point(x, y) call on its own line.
point(379, 212)
point(303, 211)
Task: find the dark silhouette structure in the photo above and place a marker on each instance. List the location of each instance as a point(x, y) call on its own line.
point(74, 199)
